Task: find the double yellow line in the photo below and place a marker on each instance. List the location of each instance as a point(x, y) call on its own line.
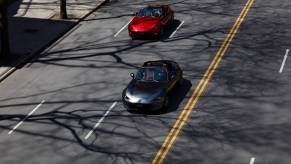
point(168, 143)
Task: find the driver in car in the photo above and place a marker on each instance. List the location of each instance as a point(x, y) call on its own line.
point(148, 74)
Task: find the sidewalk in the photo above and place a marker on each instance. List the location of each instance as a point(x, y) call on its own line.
point(34, 25)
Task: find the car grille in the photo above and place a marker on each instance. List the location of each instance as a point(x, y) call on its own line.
point(141, 106)
point(141, 34)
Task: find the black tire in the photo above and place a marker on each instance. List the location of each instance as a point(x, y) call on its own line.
point(172, 19)
point(166, 103)
point(180, 82)
point(162, 31)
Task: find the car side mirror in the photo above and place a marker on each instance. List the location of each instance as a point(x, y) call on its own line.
point(172, 77)
point(132, 75)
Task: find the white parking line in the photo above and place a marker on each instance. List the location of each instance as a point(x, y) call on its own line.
point(284, 61)
point(99, 122)
point(123, 28)
point(177, 29)
point(29, 114)
point(252, 160)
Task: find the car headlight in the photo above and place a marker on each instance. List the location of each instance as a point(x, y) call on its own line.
point(130, 28)
point(131, 98)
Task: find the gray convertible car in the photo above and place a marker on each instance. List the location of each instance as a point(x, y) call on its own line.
point(150, 87)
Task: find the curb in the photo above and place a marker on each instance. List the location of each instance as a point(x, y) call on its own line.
point(23, 61)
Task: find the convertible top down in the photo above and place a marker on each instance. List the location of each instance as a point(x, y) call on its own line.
point(151, 21)
point(150, 87)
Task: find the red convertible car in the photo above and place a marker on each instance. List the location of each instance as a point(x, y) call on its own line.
point(151, 21)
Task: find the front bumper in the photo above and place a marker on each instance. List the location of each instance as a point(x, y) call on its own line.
point(144, 34)
point(153, 106)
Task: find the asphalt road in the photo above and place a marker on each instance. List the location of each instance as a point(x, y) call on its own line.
point(244, 112)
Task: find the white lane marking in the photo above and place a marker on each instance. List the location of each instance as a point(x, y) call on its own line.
point(123, 28)
point(284, 61)
point(177, 29)
point(99, 122)
point(252, 160)
point(29, 114)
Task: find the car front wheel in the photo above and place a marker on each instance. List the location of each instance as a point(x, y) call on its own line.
point(162, 31)
point(166, 102)
point(172, 19)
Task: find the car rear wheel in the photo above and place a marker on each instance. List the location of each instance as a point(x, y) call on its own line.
point(180, 82)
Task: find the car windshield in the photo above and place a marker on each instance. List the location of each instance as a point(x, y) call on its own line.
point(149, 74)
point(150, 11)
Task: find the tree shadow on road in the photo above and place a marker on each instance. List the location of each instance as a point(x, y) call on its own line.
point(79, 122)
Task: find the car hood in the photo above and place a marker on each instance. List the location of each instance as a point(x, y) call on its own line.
point(144, 23)
point(145, 90)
